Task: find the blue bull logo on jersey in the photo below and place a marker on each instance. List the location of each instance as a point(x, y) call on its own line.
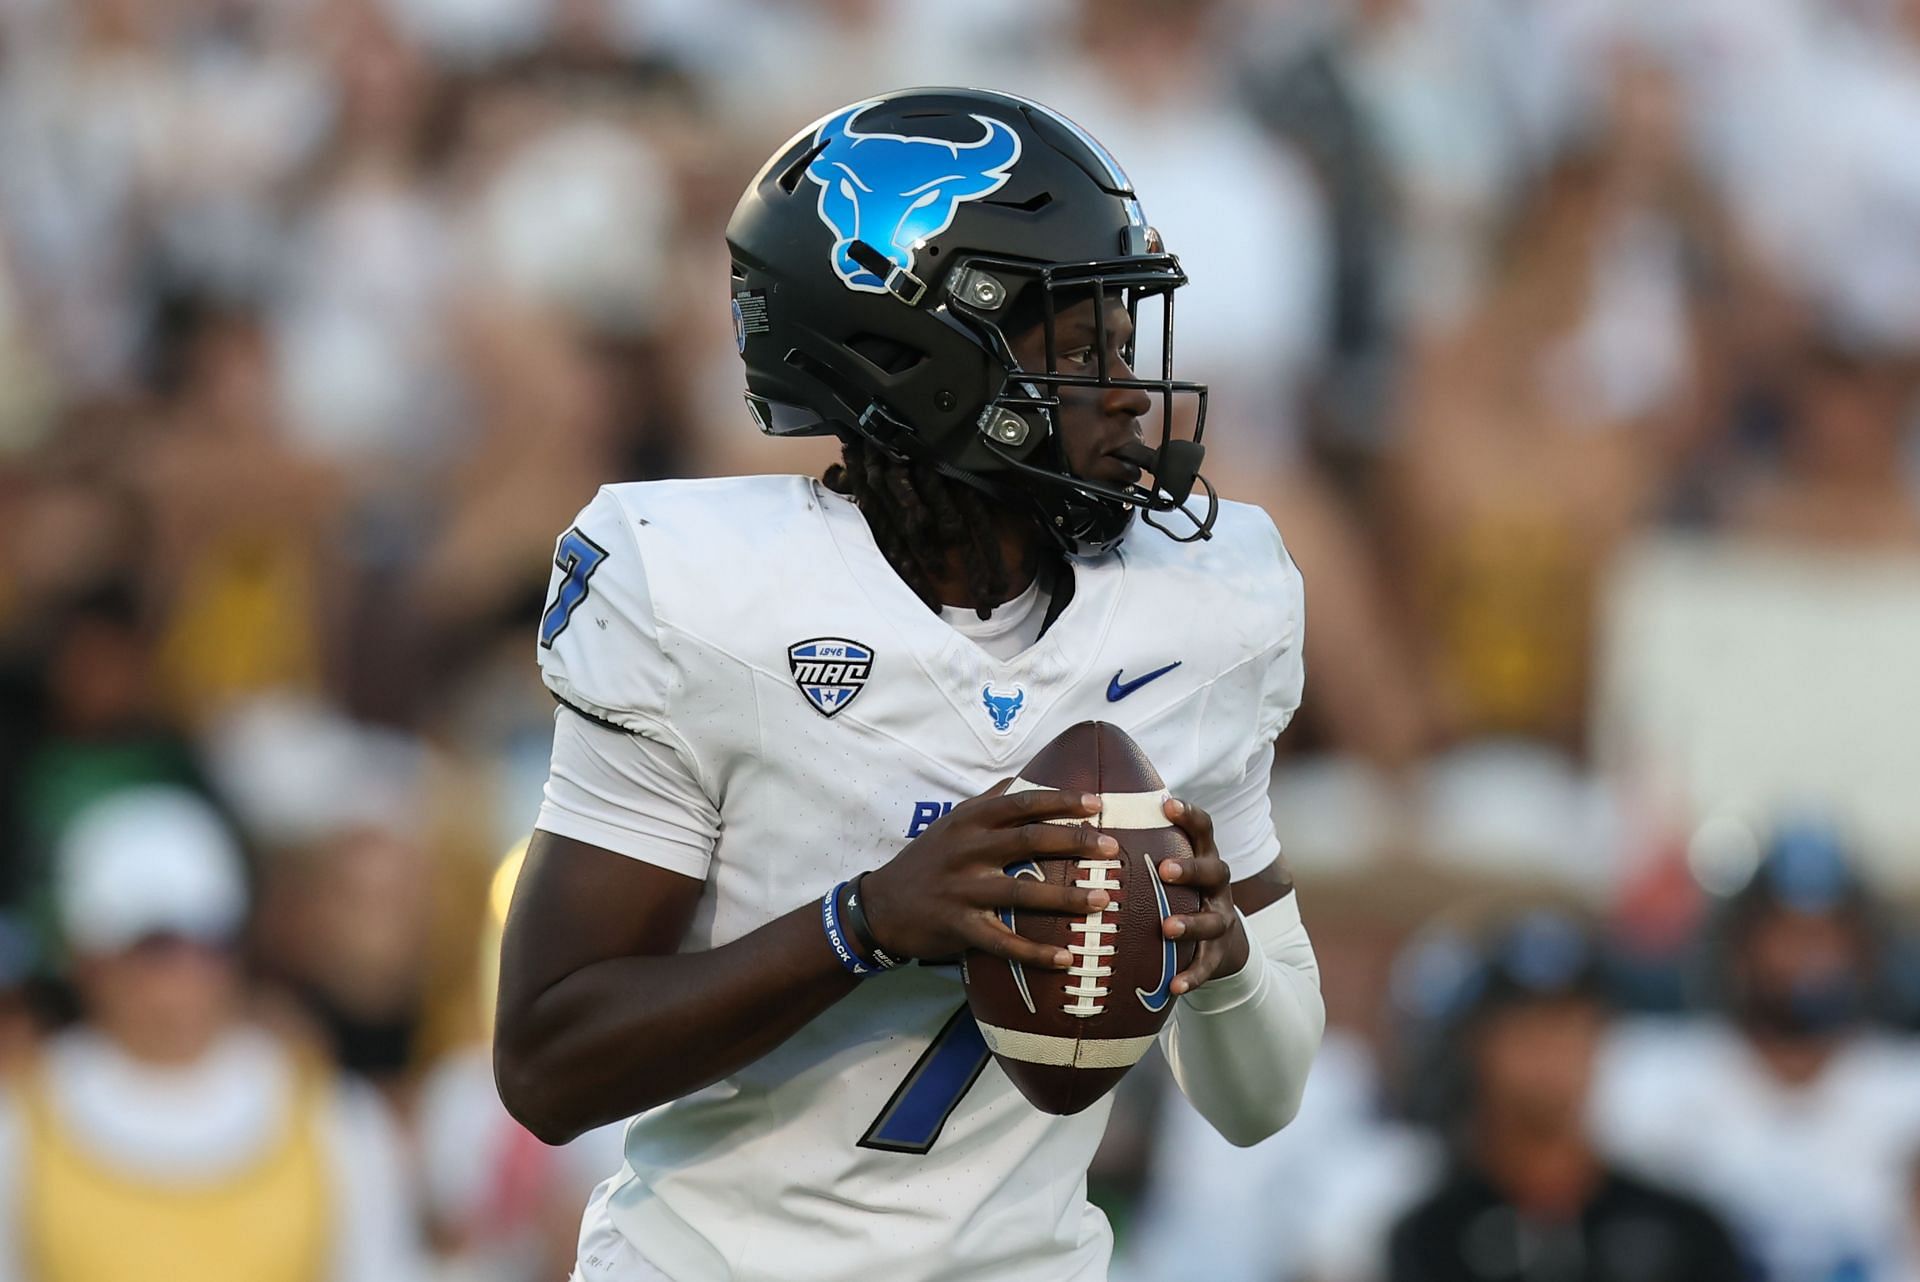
point(894, 192)
point(1003, 708)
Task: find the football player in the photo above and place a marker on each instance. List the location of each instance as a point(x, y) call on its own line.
point(775, 691)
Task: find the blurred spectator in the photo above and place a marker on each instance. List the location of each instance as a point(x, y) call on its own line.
point(19, 1023)
point(240, 519)
point(1797, 108)
point(85, 719)
point(1531, 1198)
point(356, 322)
point(1842, 481)
point(167, 1134)
point(1533, 428)
point(1303, 83)
point(1909, 1268)
point(1789, 1110)
point(26, 388)
point(503, 1207)
point(1310, 1203)
point(1538, 425)
point(1747, 677)
point(776, 66)
point(348, 932)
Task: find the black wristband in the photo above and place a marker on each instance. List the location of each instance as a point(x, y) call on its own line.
point(855, 917)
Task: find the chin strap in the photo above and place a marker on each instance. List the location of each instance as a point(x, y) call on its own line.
point(1176, 469)
point(1202, 526)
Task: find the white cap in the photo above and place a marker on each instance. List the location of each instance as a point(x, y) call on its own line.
point(296, 772)
point(148, 861)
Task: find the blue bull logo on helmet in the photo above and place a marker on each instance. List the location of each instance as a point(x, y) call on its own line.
point(894, 193)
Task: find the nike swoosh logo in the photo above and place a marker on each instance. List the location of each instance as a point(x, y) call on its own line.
point(1156, 1000)
point(1118, 689)
point(1025, 868)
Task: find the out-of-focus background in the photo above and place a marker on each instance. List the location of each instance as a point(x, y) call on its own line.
point(1571, 343)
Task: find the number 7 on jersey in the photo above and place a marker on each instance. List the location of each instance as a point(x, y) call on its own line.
point(577, 557)
point(913, 1119)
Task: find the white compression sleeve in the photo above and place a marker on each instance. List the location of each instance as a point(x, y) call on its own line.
point(1240, 1046)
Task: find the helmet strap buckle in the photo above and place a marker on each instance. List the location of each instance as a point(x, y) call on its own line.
point(905, 286)
point(896, 280)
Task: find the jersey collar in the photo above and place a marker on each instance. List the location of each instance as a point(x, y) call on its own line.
point(1056, 663)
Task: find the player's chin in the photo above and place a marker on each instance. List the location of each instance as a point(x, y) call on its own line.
point(1109, 469)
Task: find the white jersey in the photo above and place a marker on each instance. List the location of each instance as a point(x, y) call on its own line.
point(789, 713)
point(1814, 1179)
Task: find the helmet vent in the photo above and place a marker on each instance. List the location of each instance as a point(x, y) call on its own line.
point(1031, 205)
point(790, 177)
point(885, 354)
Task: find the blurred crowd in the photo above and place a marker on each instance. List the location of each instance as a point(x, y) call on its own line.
point(1573, 345)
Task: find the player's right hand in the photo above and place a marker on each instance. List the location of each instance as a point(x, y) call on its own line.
point(942, 894)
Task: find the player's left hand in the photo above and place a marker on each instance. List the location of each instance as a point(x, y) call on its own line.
point(1223, 948)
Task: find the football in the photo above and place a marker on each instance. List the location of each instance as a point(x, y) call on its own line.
point(1065, 1037)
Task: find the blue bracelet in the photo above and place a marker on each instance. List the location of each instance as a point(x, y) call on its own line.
point(836, 938)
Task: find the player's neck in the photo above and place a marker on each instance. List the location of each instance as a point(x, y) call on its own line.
point(1020, 551)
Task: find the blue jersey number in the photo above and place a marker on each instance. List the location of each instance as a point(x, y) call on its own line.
point(577, 558)
point(912, 1119)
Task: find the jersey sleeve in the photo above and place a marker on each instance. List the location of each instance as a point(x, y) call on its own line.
point(1235, 793)
point(629, 793)
point(621, 777)
point(1286, 673)
point(600, 650)
point(1242, 815)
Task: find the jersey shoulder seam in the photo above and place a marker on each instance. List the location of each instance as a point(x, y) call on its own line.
point(631, 522)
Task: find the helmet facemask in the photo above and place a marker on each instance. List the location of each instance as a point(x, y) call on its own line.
point(998, 298)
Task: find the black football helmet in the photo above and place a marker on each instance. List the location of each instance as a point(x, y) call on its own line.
point(879, 261)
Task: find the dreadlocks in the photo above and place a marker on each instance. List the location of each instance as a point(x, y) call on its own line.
point(918, 518)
